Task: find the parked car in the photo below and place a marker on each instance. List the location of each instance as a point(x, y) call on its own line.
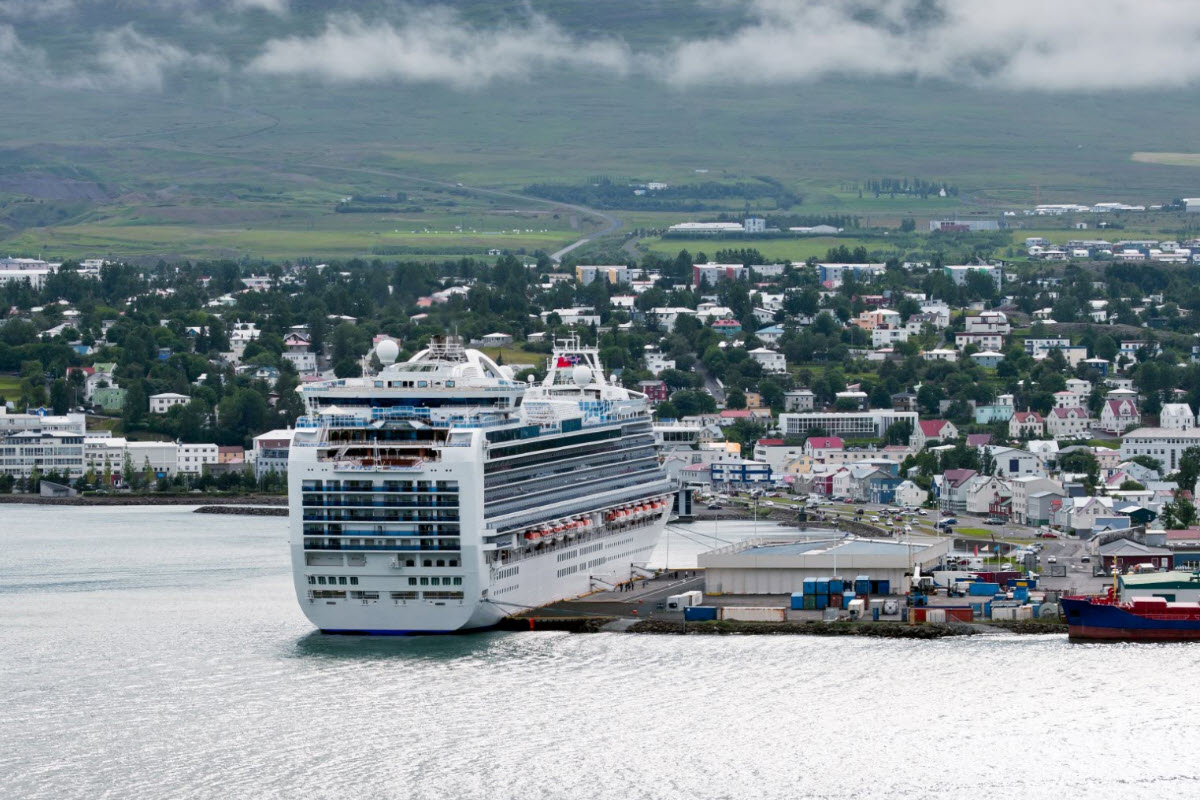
point(714, 506)
point(1085, 559)
point(994, 521)
point(1051, 559)
point(950, 521)
point(922, 512)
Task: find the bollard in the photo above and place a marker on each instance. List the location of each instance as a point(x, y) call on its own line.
point(875, 614)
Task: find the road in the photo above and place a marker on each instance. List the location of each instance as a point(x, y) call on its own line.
point(710, 383)
point(611, 223)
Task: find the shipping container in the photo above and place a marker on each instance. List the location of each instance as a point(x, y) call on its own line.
point(960, 614)
point(797, 601)
point(677, 602)
point(810, 585)
point(837, 586)
point(1023, 612)
point(982, 589)
point(822, 586)
point(700, 613)
point(822, 601)
point(1003, 613)
point(881, 587)
point(810, 602)
point(934, 615)
point(862, 584)
point(697, 596)
point(847, 596)
point(857, 608)
point(891, 607)
point(835, 601)
point(753, 614)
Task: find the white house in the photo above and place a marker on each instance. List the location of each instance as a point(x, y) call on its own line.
point(1026, 425)
point(1068, 423)
point(161, 403)
point(769, 359)
point(192, 458)
point(909, 494)
point(1011, 462)
point(656, 362)
point(927, 430)
point(1177, 416)
point(1118, 416)
point(497, 340)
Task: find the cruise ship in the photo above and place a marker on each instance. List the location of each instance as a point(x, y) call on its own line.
point(443, 495)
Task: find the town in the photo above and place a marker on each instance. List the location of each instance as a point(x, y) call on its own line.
point(948, 387)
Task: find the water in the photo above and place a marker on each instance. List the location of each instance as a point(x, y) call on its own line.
point(151, 653)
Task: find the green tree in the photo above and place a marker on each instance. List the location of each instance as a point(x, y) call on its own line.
point(1178, 514)
point(59, 396)
point(1189, 469)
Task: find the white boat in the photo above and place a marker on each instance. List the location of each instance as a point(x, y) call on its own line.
point(442, 495)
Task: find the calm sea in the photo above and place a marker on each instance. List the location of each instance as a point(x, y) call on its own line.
point(154, 653)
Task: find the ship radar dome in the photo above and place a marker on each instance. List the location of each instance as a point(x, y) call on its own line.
point(387, 351)
point(581, 375)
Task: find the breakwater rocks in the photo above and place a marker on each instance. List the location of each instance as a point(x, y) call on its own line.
point(570, 624)
point(886, 630)
point(1029, 626)
point(149, 500)
point(253, 511)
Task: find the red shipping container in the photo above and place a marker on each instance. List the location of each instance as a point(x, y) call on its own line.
point(960, 614)
point(835, 601)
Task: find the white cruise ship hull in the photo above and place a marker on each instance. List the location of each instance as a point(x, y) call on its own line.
point(567, 572)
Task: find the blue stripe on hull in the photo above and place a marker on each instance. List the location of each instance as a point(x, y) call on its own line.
point(356, 632)
point(1088, 620)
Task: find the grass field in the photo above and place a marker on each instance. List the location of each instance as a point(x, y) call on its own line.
point(10, 387)
point(511, 355)
point(799, 249)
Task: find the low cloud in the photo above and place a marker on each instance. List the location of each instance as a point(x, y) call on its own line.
point(436, 46)
point(127, 59)
point(1016, 44)
point(279, 7)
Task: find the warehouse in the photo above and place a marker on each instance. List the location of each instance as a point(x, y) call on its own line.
point(779, 565)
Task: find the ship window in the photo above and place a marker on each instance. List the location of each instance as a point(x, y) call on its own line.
point(412, 581)
point(412, 562)
point(458, 581)
point(321, 580)
point(434, 581)
point(354, 581)
point(441, 562)
point(427, 562)
point(424, 581)
point(342, 581)
point(311, 579)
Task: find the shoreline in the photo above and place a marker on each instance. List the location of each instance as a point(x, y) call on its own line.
point(882, 630)
point(234, 501)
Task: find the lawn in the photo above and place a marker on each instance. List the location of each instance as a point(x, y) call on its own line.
point(10, 387)
point(511, 355)
point(798, 249)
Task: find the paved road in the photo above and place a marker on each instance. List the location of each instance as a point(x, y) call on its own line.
point(710, 383)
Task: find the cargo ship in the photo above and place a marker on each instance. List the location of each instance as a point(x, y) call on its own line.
point(1121, 616)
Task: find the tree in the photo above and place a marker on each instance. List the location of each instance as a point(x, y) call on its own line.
point(1189, 469)
point(1178, 514)
point(1149, 462)
point(1129, 485)
point(59, 396)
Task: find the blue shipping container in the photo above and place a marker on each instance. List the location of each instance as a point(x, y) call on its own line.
point(980, 589)
point(822, 585)
point(797, 600)
point(699, 613)
point(810, 585)
point(862, 585)
point(837, 586)
point(822, 601)
point(881, 587)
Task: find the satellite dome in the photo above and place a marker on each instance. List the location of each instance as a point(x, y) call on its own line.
point(581, 375)
point(387, 351)
point(507, 371)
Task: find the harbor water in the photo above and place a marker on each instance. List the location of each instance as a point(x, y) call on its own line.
point(154, 653)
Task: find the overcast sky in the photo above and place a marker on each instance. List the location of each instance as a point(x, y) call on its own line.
point(1045, 45)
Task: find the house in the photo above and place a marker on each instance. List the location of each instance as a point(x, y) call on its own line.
point(990, 342)
point(298, 350)
point(740, 472)
point(1118, 416)
point(109, 398)
point(993, 322)
point(818, 447)
point(988, 358)
point(1079, 514)
point(1068, 423)
point(909, 494)
point(497, 340)
point(161, 403)
point(983, 492)
point(769, 359)
point(729, 328)
point(770, 334)
point(940, 354)
point(1123, 554)
point(656, 362)
point(978, 440)
point(932, 430)
point(799, 400)
point(776, 453)
point(655, 391)
point(1023, 488)
point(1177, 416)
point(952, 489)
point(1026, 425)
point(1011, 462)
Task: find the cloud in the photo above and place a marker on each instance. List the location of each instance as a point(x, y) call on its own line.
point(1059, 45)
point(278, 7)
point(127, 59)
point(437, 46)
point(35, 9)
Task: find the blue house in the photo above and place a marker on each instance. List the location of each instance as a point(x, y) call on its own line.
point(985, 415)
point(882, 489)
